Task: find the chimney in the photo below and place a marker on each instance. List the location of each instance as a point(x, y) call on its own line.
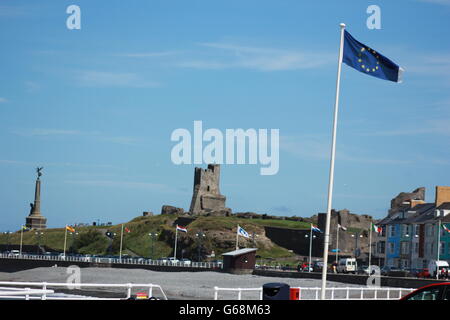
point(442, 195)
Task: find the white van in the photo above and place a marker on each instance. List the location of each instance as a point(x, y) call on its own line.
point(346, 265)
point(437, 265)
point(15, 253)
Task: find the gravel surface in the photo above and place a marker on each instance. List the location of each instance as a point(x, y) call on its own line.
point(176, 285)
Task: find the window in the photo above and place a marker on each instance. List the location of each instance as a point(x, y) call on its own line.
point(381, 247)
point(416, 247)
point(416, 230)
point(404, 247)
point(405, 230)
point(428, 249)
point(391, 247)
point(442, 248)
point(391, 231)
point(383, 231)
point(426, 294)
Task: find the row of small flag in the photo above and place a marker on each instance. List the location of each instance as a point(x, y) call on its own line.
point(245, 234)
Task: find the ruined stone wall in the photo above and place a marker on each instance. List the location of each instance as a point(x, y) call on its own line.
point(397, 203)
point(206, 193)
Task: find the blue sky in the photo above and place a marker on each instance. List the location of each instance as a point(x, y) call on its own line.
point(96, 106)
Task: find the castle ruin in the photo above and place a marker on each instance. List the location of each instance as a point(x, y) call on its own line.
point(206, 198)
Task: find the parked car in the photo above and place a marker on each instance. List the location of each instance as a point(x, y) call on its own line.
point(440, 266)
point(185, 262)
point(424, 273)
point(317, 266)
point(363, 270)
point(163, 260)
point(435, 291)
point(14, 253)
point(347, 265)
point(172, 260)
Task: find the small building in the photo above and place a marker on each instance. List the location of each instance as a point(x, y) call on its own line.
point(240, 261)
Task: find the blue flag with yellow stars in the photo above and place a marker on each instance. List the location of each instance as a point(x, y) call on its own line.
point(368, 61)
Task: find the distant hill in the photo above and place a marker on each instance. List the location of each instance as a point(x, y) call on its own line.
point(220, 237)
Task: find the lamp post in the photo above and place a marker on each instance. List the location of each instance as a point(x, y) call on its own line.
point(39, 234)
point(153, 236)
point(311, 237)
point(200, 236)
point(73, 240)
point(7, 234)
point(111, 235)
point(356, 235)
point(254, 236)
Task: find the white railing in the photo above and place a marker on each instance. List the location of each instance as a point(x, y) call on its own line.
point(19, 292)
point(334, 293)
point(127, 261)
point(22, 293)
point(238, 290)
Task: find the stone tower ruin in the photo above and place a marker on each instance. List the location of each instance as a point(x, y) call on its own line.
point(206, 198)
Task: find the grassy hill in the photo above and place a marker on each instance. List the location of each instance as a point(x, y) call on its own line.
point(220, 237)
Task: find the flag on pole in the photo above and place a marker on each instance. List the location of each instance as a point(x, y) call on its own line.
point(182, 229)
point(314, 228)
point(341, 227)
point(366, 60)
point(376, 228)
point(445, 228)
point(242, 232)
point(127, 230)
point(24, 228)
point(70, 229)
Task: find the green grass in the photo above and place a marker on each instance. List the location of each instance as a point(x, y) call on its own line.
point(91, 239)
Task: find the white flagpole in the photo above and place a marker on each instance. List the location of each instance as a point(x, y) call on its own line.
point(121, 242)
point(310, 247)
point(438, 248)
point(370, 245)
point(176, 239)
point(21, 240)
point(333, 153)
point(237, 238)
point(337, 244)
point(65, 241)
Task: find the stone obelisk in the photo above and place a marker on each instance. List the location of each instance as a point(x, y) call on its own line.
point(35, 220)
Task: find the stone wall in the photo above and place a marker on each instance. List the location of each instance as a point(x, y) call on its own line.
point(206, 195)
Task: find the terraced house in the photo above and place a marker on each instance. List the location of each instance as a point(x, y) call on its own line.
point(414, 228)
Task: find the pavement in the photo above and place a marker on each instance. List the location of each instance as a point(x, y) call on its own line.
point(176, 285)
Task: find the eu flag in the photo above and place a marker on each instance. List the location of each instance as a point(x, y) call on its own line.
point(366, 60)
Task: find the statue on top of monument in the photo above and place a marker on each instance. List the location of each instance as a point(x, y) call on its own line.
point(38, 170)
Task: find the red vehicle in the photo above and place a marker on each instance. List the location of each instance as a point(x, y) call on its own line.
point(435, 291)
point(423, 274)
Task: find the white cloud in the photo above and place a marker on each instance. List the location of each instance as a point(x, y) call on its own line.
point(148, 54)
point(39, 132)
point(114, 79)
point(431, 126)
point(441, 2)
point(12, 11)
point(316, 147)
point(3, 100)
point(45, 132)
point(124, 184)
point(227, 55)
